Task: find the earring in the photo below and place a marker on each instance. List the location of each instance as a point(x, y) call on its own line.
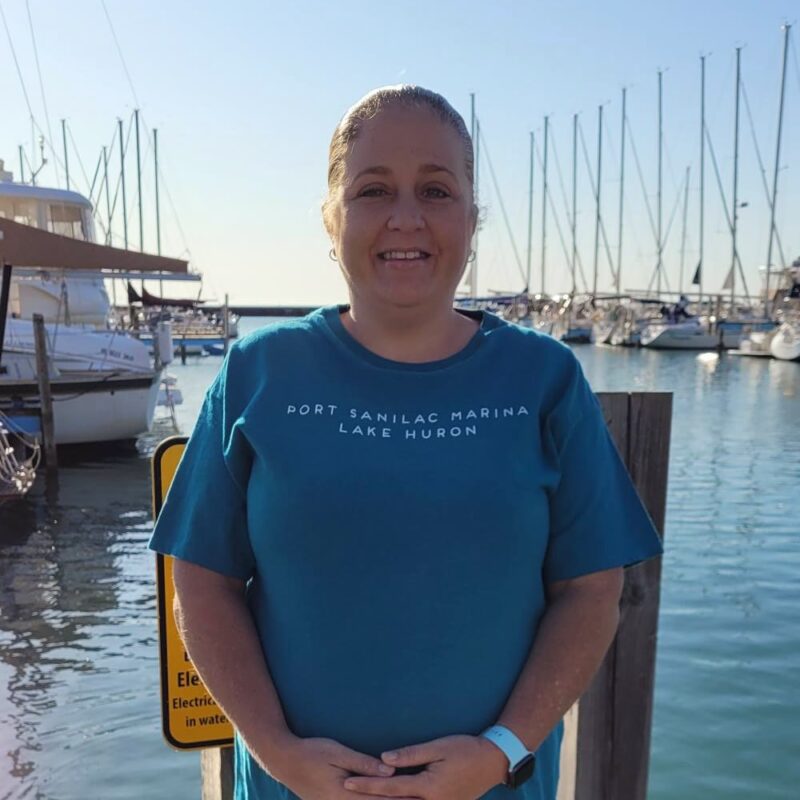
point(332, 255)
point(471, 257)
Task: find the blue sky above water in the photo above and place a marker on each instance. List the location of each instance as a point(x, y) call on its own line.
point(246, 95)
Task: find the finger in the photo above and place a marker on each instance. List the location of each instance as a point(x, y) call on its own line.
point(400, 786)
point(360, 763)
point(415, 754)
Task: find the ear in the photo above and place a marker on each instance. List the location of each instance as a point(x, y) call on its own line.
point(330, 219)
point(474, 219)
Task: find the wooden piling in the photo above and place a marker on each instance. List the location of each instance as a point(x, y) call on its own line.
point(605, 754)
point(216, 772)
point(45, 396)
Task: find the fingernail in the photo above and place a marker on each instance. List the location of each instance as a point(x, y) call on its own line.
point(390, 756)
point(385, 769)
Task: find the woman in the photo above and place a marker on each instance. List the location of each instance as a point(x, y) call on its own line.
point(400, 527)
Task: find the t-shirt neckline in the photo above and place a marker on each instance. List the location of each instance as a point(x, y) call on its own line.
point(331, 315)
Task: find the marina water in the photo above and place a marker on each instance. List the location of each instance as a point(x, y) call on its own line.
point(79, 685)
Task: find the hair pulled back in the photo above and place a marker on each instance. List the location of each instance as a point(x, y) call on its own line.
point(369, 106)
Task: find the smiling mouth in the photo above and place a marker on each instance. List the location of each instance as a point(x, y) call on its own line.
point(404, 255)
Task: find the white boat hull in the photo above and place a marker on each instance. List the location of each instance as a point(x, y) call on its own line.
point(93, 407)
point(78, 348)
point(785, 344)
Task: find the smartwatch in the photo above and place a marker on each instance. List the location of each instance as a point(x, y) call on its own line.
point(520, 760)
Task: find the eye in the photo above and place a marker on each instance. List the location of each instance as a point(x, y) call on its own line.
point(372, 191)
point(436, 192)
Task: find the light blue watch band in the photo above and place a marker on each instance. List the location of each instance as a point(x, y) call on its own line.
point(513, 748)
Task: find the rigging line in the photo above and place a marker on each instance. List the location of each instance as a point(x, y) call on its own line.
point(16, 62)
point(41, 87)
point(724, 203)
point(78, 156)
point(796, 62)
point(119, 51)
point(566, 207)
point(595, 190)
point(763, 171)
point(641, 181)
point(482, 139)
point(678, 194)
point(555, 218)
point(94, 179)
point(163, 182)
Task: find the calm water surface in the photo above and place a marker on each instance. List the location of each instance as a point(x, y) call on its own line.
point(79, 712)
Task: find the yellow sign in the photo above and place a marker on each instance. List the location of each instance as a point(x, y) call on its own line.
point(190, 718)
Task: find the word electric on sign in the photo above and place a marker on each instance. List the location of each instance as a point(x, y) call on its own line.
point(190, 718)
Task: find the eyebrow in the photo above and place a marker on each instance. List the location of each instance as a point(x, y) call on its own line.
point(425, 168)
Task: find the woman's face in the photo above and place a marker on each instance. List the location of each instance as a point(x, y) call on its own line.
point(405, 216)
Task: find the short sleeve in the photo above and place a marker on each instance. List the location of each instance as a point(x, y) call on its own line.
point(597, 520)
point(204, 517)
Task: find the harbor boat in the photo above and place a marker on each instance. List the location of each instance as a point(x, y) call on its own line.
point(783, 294)
point(574, 320)
point(785, 344)
point(691, 334)
point(88, 406)
point(195, 330)
point(104, 403)
point(755, 344)
point(80, 348)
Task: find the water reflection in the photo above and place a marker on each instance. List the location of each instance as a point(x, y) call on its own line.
point(60, 586)
point(728, 638)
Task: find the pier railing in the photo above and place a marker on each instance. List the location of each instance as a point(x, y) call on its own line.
point(606, 750)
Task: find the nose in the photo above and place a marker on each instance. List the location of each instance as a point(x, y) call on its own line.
point(406, 214)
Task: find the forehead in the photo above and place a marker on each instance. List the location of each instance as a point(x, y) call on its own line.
point(400, 137)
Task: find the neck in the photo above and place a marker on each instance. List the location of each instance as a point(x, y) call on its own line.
point(413, 335)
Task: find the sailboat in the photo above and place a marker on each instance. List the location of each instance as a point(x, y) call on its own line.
point(98, 396)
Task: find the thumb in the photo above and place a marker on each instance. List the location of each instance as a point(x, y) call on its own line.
point(360, 763)
point(413, 755)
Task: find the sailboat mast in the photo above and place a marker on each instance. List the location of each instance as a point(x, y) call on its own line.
point(474, 279)
point(735, 205)
point(122, 181)
point(573, 262)
point(621, 189)
point(530, 218)
point(786, 29)
point(108, 195)
point(683, 231)
point(474, 136)
point(597, 196)
point(702, 174)
point(158, 208)
point(139, 183)
point(544, 199)
point(66, 154)
point(660, 159)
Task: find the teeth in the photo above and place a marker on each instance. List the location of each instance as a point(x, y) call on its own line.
point(400, 255)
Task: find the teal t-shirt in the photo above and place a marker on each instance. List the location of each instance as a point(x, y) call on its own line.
point(398, 523)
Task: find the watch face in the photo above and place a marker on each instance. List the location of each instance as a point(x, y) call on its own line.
point(522, 771)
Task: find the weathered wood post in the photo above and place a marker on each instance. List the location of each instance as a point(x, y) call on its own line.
point(216, 768)
point(606, 750)
point(45, 396)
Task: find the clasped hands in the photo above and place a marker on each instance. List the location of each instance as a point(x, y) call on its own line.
point(454, 768)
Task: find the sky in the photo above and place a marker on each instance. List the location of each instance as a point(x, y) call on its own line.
point(245, 96)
